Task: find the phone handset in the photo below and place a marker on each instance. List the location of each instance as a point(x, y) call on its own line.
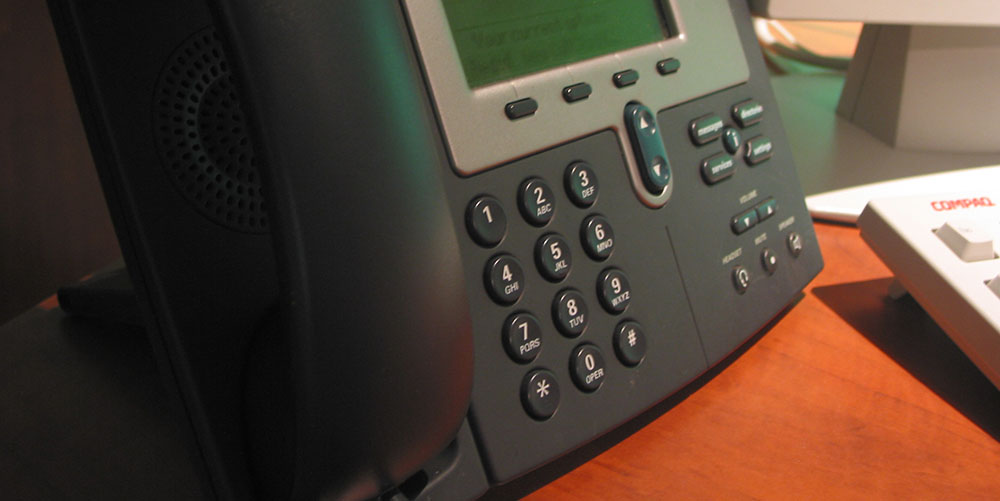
point(369, 370)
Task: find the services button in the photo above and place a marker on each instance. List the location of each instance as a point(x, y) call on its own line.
point(717, 167)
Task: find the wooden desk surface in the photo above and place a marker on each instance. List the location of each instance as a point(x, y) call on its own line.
point(849, 395)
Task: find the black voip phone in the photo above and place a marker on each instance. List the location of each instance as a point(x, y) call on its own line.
point(418, 248)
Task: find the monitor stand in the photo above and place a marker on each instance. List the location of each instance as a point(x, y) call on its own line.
point(842, 165)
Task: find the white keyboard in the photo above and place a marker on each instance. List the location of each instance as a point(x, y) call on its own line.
point(945, 251)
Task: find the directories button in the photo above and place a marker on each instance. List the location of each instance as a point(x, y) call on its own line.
point(648, 147)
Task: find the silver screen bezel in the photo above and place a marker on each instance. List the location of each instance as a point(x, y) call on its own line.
point(480, 136)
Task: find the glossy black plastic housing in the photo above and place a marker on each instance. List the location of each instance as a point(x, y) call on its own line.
point(203, 287)
point(375, 317)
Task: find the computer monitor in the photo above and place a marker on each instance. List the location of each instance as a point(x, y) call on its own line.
point(920, 97)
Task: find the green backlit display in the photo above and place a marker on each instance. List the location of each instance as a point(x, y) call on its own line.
point(501, 39)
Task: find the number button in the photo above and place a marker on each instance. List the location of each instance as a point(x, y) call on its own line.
point(540, 394)
point(581, 184)
point(522, 337)
point(536, 201)
point(587, 367)
point(486, 221)
point(598, 238)
point(630, 343)
point(614, 290)
point(553, 257)
point(570, 313)
point(504, 279)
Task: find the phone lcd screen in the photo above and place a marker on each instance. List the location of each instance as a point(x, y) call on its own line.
point(501, 39)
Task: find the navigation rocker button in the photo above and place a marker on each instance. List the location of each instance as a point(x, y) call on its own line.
point(647, 144)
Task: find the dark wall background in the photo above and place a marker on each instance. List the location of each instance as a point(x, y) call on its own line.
point(54, 227)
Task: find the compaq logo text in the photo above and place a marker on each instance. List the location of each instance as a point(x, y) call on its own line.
point(962, 203)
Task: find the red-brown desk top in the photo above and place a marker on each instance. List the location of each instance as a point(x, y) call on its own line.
point(849, 396)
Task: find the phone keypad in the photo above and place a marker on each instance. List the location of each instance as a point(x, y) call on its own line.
point(522, 332)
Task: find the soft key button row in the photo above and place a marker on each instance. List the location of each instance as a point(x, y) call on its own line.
point(579, 91)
